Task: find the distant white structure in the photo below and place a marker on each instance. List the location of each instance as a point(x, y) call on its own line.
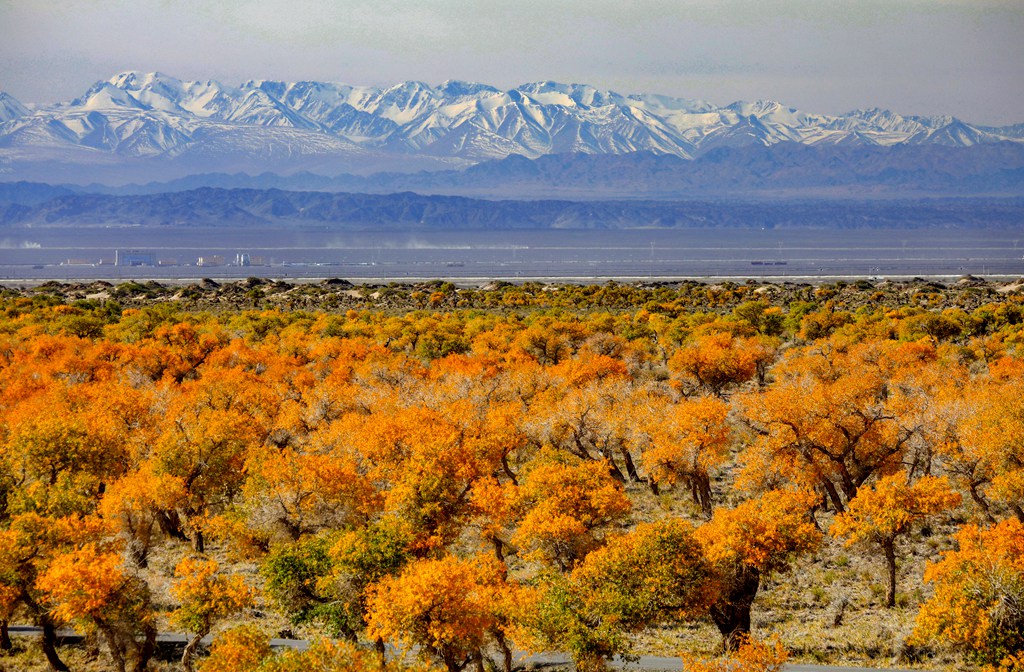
point(133, 258)
point(212, 260)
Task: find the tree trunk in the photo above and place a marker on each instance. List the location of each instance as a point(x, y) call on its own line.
point(5, 637)
point(452, 663)
point(116, 649)
point(378, 645)
point(506, 650)
point(478, 661)
point(92, 645)
point(889, 546)
point(731, 613)
point(200, 542)
point(49, 644)
point(498, 549)
point(138, 552)
point(146, 649)
point(613, 468)
point(833, 494)
point(972, 488)
point(700, 488)
point(190, 652)
point(630, 467)
point(170, 524)
point(508, 470)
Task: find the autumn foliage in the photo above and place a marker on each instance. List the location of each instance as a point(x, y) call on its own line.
point(448, 606)
point(882, 514)
point(546, 469)
point(206, 596)
point(979, 594)
point(750, 656)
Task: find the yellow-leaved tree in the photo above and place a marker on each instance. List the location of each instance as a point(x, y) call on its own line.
point(246, 649)
point(205, 597)
point(686, 442)
point(883, 513)
point(655, 575)
point(750, 656)
point(449, 607)
point(978, 605)
point(743, 544)
point(567, 503)
point(91, 588)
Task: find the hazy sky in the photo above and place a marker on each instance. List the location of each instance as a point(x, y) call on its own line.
point(961, 57)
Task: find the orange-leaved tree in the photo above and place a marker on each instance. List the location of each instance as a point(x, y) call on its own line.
point(832, 419)
point(978, 604)
point(240, 649)
point(295, 492)
point(134, 505)
point(654, 575)
point(426, 462)
point(883, 513)
point(208, 427)
point(246, 649)
point(568, 502)
point(447, 606)
point(205, 597)
point(997, 432)
point(715, 362)
point(750, 656)
point(743, 544)
point(686, 442)
point(583, 413)
point(90, 587)
point(29, 543)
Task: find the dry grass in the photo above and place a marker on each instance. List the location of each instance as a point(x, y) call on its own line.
point(800, 607)
point(830, 607)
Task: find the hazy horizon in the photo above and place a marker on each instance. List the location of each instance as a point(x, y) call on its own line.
point(920, 57)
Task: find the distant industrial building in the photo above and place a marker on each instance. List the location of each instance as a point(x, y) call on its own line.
point(133, 258)
point(210, 260)
point(246, 259)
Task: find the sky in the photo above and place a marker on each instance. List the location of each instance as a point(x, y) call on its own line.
point(960, 57)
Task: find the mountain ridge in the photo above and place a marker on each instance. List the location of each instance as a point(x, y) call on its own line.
point(152, 123)
point(406, 211)
point(784, 170)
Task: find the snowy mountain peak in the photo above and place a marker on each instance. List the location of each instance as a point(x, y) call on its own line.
point(106, 96)
point(569, 95)
point(127, 79)
point(11, 108)
point(136, 79)
point(454, 88)
point(667, 104)
point(273, 88)
point(935, 121)
point(410, 89)
point(759, 108)
point(153, 114)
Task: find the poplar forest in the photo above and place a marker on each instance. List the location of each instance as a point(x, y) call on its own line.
point(734, 474)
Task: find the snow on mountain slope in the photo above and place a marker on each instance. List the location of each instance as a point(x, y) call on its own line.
point(954, 134)
point(136, 114)
point(258, 108)
point(11, 108)
point(106, 96)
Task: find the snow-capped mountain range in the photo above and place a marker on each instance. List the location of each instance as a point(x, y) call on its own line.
point(330, 127)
